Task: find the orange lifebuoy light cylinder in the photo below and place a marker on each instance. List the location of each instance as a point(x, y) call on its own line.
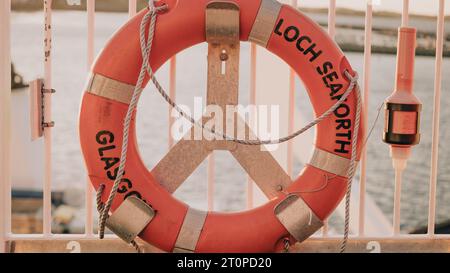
point(296, 212)
point(403, 108)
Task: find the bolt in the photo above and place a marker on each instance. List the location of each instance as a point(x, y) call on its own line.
point(224, 57)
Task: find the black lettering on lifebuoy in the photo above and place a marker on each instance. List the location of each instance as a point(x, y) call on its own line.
point(326, 67)
point(278, 27)
point(347, 135)
point(106, 153)
point(343, 149)
point(343, 124)
point(110, 162)
point(300, 40)
point(104, 137)
point(291, 30)
point(125, 185)
point(112, 175)
point(311, 50)
point(330, 76)
point(102, 150)
point(292, 34)
point(342, 111)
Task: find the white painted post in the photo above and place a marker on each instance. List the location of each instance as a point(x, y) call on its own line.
point(436, 117)
point(47, 190)
point(332, 19)
point(332, 33)
point(291, 117)
point(405, 13)
point(89, 225)
point(132, 8)
point(366, 90)
point(172, 94)
point(5, 122)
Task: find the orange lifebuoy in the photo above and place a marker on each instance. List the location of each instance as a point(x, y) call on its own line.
point(295, 213)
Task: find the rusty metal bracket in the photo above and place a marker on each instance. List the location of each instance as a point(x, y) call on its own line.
point(222, 35)
point(37, 108)
point(130, 219)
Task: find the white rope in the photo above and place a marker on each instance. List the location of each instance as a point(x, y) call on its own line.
point(146, 50)
point(351, 87)
point(351, 170)
point(146, 46)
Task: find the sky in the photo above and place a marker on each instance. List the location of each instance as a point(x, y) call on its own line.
point(423, 7)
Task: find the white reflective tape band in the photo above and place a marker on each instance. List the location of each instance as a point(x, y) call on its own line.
point(265, 22)
point(190, 231)
point(330, 162)
point(297, 218)
point(111, 89)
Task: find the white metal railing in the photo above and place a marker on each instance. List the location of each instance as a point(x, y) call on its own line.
point(436, 117)
point(5, 122)
point(89, 222)
point(47, 191)
point(366, 92)
point(5, 95)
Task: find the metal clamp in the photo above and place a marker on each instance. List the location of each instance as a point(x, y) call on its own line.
point(130, 218)
point(37, 108)
point(297, 218)
point(190, 231)
point(48, 91)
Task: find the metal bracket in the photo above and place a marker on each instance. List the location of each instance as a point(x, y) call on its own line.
point(297, 217)
point(190, 231)
point(130, 218)
point(222, 35)
point(37, 108)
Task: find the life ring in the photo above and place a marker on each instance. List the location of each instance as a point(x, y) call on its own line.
point(297, 211)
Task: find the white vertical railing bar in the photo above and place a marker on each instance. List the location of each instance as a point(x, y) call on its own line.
point(47, 189)
point(398, 173)
point(291, 117)
point(211, 180)
point(332, 19)
point(366, 79)
point(405, 13)
point(253, 56)
point(397, 202)
point(5, 122)
point(172, 94)
point(436, 117)
point(89, 224)
point(332, 33)
point(132, 8)
point(91, 32)
point(291, 122)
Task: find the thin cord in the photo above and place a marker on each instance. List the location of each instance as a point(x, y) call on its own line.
point(374, 124)
point(351, 171)
point(353, 85)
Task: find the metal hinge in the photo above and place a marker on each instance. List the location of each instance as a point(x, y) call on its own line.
point(37, 108)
